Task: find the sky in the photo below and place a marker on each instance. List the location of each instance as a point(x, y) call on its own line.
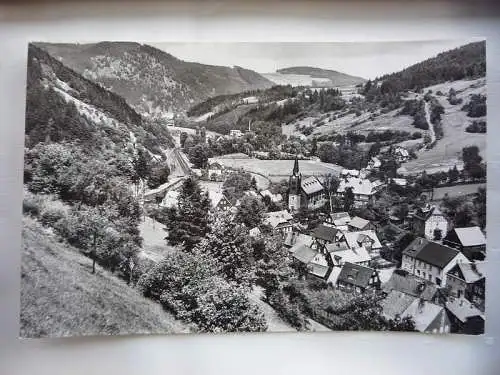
point(364, 59)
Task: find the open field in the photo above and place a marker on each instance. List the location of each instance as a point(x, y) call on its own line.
point(276, 170)
point(447, 151)
point(56, 283)
point(456, 191)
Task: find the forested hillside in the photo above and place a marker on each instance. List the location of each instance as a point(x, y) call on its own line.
point(151, 80)
point(61, 105)
point(466, 62)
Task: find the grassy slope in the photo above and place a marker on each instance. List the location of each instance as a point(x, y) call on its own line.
point(448, 150)
point(60, 296)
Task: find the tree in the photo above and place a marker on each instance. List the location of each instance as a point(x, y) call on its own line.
point(250, 211)
point(142, 164)
point(236, 184)
point(189, 222)
point(229, 245)
point(188, 285)
point(453, 174)
point(437, 234)
point(182, 138)
point(159, 175)
point(272, 264)
point(348, 199)
point(471, 158)
point(198, 155)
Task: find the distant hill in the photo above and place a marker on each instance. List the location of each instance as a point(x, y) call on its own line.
point(151, 80)
point(466, 62)
point(56, 282)
point(62, 105)
point(311, 76)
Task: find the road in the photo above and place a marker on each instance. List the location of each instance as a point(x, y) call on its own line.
point(432, 133)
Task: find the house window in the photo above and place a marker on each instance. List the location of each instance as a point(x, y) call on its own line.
point(418, 272)
point(430, 277)
point(423, 274)
point(438, 281)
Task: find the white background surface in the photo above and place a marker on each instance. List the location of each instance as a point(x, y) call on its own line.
point(320, 353)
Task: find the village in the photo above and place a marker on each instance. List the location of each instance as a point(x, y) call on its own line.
point(343, 232)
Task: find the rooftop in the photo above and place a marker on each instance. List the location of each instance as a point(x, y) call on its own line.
point(411, 285)
point(423, 313)
point(462, 309)
point(355, 256)
point(303, 253)
point(360, 186)
point(277, 217)
point(356, 239)
point(355, 274)
point(471, 236)
point(311, 185)
point(358, 222)
point(326, 233)
point(470, 272)
point(396, 303)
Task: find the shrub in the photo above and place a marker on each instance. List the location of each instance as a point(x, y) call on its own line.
point(287, 310)
point(52, 212)
point(476, 127)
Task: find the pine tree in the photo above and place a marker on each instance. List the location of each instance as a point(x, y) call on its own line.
point(189, 222)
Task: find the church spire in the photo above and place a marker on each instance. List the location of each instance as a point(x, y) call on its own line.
point(296, 167)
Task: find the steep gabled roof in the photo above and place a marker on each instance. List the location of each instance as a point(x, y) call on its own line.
point(360, 186)
point(303, 253)
point(355, 274)
point(411, 285)
point(277, 217)
point(462, 309)
point(436, 254)
point(396, 303)
point(355, 256)
point(471, 236)
point(358, 222)
point(311, 185)
point(423, 313)
point(326, 233)
point(354, 239)
point(470, 272)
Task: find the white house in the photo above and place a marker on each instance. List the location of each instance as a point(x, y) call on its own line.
point(363, 189)
point(279, 221)
point(430, 260)
point(428, 221)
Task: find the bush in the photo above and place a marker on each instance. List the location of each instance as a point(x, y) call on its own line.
point(476, 127)
point(287, 310)
point(52, 212)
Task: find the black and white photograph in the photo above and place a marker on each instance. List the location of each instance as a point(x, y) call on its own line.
point(199, 187)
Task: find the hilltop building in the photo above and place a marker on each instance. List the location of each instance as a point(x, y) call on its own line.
point(304, 193)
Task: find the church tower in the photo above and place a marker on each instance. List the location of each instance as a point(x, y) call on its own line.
point(294, 187)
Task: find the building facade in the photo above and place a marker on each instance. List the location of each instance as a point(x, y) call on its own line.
point(306, 193)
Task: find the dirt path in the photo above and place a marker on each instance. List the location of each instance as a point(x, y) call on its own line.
point(432, 133)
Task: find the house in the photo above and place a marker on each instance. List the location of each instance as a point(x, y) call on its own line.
point(312, 260)
point(404, 282)
point(465, 317)
point(403, 182)
point(219, 201)
point(340, 254)
point(215, 172)
point(254, 232)
point(338, 219)
point(280, 221)
point(401, 154)
point(306, 193)
point(395, 304)
point(325, 234)
point(349, 173)
point(363, 189)
point(428, 317)
point(367, 239)
point(467, 280)
point(430, 260)
point(430, 222)
point(235, 133)
point(276, 198)
point(470, 241)
point(358, 223)
point(296, 238)
point(374, 164)
point(357, 278)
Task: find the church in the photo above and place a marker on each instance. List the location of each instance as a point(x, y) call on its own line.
point(304, 193)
